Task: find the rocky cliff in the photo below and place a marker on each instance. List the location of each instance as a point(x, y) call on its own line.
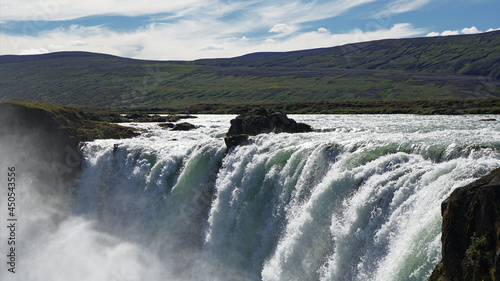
point(45, 138)
point(471, 232)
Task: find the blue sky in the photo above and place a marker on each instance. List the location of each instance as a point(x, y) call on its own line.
point(193, 29)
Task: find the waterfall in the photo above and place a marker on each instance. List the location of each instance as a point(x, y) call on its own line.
point(357, 199)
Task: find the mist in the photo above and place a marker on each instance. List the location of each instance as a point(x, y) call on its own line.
point(50, 241)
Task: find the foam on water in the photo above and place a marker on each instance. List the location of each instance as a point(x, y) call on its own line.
point(357, 199)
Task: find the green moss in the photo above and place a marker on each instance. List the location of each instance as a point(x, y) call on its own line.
point(479, 250)
point(70, 121)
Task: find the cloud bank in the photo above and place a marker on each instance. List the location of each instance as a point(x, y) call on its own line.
point(167, 42)
point(192, 29)
point(464, 31)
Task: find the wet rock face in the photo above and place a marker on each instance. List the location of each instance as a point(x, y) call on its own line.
point(236, 140)
point(166, 125)
point(183, 127)
point(44, 139)
point(261, 121)
point(471, 232)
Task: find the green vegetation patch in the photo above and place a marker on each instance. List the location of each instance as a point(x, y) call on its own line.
point(70, 121)
point(451, 67)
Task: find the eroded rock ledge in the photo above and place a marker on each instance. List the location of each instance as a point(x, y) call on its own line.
point(261, 121)
point(471, 232)
point(51, 134)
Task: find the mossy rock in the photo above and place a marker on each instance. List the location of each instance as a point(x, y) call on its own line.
point(53, 133)
point(53, 118)
point(471, 232)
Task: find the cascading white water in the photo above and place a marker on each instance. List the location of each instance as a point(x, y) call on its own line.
point(358, 199)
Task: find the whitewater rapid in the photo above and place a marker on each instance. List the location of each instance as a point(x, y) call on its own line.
point(357, 199)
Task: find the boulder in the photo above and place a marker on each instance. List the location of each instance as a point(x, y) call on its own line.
point(261, 121)
point(166, 125)
point(471, 232)
point(183, 127)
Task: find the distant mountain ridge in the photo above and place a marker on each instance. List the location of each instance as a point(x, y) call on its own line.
point(452, 67)
point(464, 54)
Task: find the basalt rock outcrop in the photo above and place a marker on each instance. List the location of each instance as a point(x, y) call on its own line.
point(168, 125)
point(184, 126)
point(18, 116)
point(471, 232)
point(261, 121)
point(46, 137)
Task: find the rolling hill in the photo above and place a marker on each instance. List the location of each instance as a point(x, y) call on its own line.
point(452, 67)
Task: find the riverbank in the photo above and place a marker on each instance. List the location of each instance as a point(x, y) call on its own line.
point(421, 107)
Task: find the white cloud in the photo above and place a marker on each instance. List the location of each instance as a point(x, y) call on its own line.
point(170, 42)
point(258, 12)
point(471, 30)
point(77, 43)
point(213, 48)
point(33, 51)
point(193, 28)
point(492, 29)
point(325, 39)
point(402, 6)
point(280, 28)
point(450, 32)
point(55, 10)
point(152, 42)
point(466, 30)
point(296, 11)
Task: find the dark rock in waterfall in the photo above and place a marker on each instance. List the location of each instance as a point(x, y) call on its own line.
point(166, 125)
point(471, 232)
point(261, 121)
point(302, 128)
point(236, 140)
point(183, 127)
point(488, 120)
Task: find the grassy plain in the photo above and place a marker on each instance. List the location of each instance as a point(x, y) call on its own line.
point(441, 68)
